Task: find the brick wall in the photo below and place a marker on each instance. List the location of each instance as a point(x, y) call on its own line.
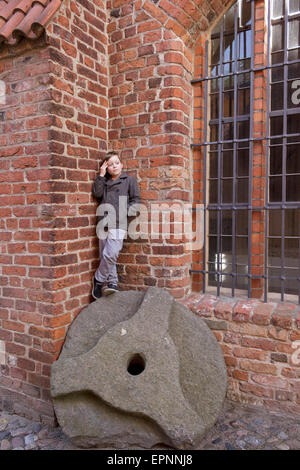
point(261, 346)
point(151, 120)
point(25, 301)
point(53, 129)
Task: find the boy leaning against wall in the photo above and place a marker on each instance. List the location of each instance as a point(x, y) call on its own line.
point(117, 192)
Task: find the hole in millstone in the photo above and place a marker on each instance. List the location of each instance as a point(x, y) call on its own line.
point(136, 364)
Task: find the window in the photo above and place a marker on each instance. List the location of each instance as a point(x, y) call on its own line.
point(250, 151)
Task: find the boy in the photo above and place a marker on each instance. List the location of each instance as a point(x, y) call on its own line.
point(109, 185)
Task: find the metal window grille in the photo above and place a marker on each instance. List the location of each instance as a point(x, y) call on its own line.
point(229, 139)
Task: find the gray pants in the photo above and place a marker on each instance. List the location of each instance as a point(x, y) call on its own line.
point(109, 250)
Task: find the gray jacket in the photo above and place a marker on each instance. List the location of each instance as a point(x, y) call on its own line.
point(108, 191)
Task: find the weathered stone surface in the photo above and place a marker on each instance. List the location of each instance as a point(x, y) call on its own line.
point(138, 368)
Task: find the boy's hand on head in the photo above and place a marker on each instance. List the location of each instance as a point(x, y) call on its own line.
point(103, 169)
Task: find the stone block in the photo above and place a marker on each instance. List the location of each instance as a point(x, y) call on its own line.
point(138, 368)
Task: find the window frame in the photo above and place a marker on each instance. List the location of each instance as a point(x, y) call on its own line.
point(262, 275)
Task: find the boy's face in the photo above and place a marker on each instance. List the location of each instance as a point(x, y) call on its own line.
point(114, 166)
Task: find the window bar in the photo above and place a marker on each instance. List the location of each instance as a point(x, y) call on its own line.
point(267, 211)
point(205, 166)
point(234, 189)
point(284, 146)
point(220, 156)
point(250, 213)
point(258, 139)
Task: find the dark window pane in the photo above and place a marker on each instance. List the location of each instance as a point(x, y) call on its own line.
point(294, 54)
point(244, 80)
point(277, 57)
point(228, 131)
point(292, 222)
point(291, 254)
point(215, 51)
point(228, 82)
point(228, 104)
point(292, 188)
point(276, 125)
point(244, 64)
point(213, 191)
point(293, 159)
point(214, 85)
point(227, 164)
point(241, 224)
point(213, 227)
point(213, 165)
point(227, 190)
point(291, 286)
point(226, 248)
point(243, 162)
point(243, 101)
point(242, 190)
point(274, 251)
point(226, 223)
point(212, 251)
point(274, 279)
point(214, 131)
point(293, 124)
point(275, 194)
point(277, 74)
point(241, 244)
point(246, 14)
point(229, 19)
point(294, 70)
point(214, 106)
point(275, 223)
point(275, 160)
point(243, 130)
point(276, 96)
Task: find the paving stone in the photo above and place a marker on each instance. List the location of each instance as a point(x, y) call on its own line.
point(282, 435)
point(3, 423)
point(241, 444)
point(254, 441)
point(36, 427)
point(283, 447)
point(4, 434)
point(17, 443)
point(5, 444)
point(18, 432)
point(235, 433)
point(229, 446)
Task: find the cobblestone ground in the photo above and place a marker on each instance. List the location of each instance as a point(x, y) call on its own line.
point(238, 428)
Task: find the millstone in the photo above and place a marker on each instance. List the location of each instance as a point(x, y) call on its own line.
point(138, 369)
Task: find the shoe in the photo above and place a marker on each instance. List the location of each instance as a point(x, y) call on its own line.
point(97, 289)
point(110, 289)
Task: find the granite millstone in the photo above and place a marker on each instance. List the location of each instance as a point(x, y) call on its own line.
point(138, 368)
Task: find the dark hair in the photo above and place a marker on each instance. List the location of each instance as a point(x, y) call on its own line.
point(109, 155)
